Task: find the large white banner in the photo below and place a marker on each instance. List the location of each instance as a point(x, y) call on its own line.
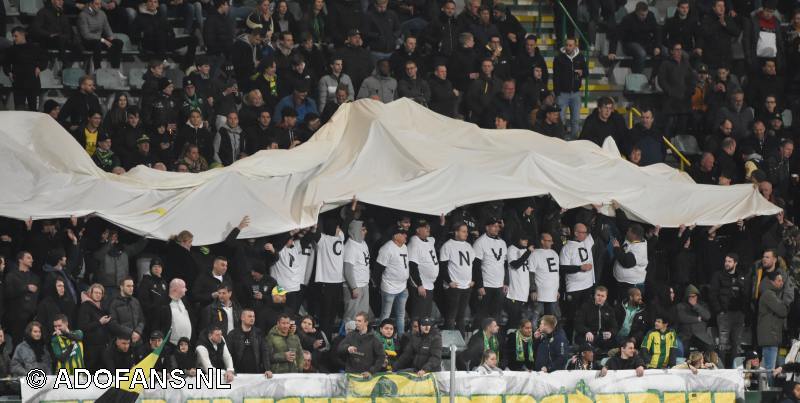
point(672, 386)
point(398, 155)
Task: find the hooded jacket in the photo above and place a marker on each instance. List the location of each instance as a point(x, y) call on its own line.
point(244, 58)
point(565, 79)
point(423, 352)
point(384, 87)
point(772, 313)
point(693, 320)
point(114, 261)
point(229, 143)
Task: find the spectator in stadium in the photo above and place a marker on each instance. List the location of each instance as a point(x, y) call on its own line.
point(316, 21)
point(521, 353)
point(771, 263)
point(175, 317)
point(356, 271)
point(245, 54)
point(163, 109)
point(660, 345)
point(683, 27)
point(212, 353)
point(763, 38)
point(297, 75)
point(717, 29)
point(119, 354)
point(693, 317)
point(552, 346)
point(631, 257)
point(205, 288)
point(423, 353)
point(387, 337)
point(382, 29)
point(595, 321)
point(21, 291)
point(766, 83)
point(695, 362)
point(481, 93)
point(729, 295)
point(32, 352)
point(583, 360)
point(780, 167)
point(79, 107)
point(380, 86)
point(677, 80)
point(223, 313)
point(52, 29)
point(192, 159)
point(490, 363)
point(195, 132)
point(94, 320)
point(772, 313)
point(357, 59)
point(153, 32)
point(96, 34)
point(500, 57)
point(126, 312)
point(152, 291)
point(230, 143)
point(248, 347)
point(576, 260)
point(631, 317)
point(56, 302)
point(464, 65)
point(640, 35)
point(299, 101)
point(603, 122)
point(103, 156)
point(261, 133)
point(510, 103)
point(364, 353)
point(66, 345)
point(648, 138)
point(487, 338)
point(412, 86)
point(442, 32)
point(285, 347)
point(24, 61)
point(218, 35)
point(114, 259)
point(329, 84)
point(312, 339)
point(762, 142)
point(626, 359)
point(456, 257)
point(551, 125)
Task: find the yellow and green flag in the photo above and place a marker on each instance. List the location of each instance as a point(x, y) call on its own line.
point(127, 393)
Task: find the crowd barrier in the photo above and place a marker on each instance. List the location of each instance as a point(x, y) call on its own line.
point(656, 386)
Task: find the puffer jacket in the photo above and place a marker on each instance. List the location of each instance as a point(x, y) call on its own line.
point(24, 360)
point(127, 315)
point(279, 345)
point(423, 352)
point(384, 87)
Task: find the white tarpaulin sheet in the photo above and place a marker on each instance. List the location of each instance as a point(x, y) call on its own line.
point(674, 386)
point(398, 155)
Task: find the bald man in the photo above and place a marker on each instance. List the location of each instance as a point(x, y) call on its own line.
point(577, 263)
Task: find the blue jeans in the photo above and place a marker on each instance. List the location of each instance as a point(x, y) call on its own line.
point(638, 53)
point(395, 303)
point(573, 101)
point(770, 358)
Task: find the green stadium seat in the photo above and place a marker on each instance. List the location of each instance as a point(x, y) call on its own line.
point(71, 77)
point(30, 7)
point(135, 77)
point(49, 81)
point(109, 79)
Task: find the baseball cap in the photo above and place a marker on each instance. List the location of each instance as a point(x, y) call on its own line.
point(399, 230)
point(143, 139)
point(103, 136)
point(703, 68)
point(278, 290)
point(353, 32)
point(156, 334)
point(426, 322)
point(551, 108)
point(187, 81)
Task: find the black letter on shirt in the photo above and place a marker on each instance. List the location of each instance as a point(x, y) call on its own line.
point(463, 258)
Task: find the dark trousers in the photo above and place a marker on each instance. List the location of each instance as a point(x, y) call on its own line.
point(562, 22)
point(573, 303)
point(515, 310)
point(457, 300)
point(490, 305)
point(93, 356)
point(26, 100)
point(294, 300)
point(330, 306)
point(62, 45)
point(421, 307)
point(114, 52)
point(162, 47)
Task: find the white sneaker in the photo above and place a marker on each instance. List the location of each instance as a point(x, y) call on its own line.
point(121, 76)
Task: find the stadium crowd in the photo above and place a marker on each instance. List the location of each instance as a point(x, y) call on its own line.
point(543, 288)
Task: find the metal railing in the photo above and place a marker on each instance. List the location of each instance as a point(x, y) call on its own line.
point(583, 38)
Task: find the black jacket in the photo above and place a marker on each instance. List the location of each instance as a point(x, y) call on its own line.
point(524, 64)
point(565, 79)
point(684, 30)
point(358, 63)
point(442, 34)
point(51, 21)
point(596, 131)
point(715, 40)
point(730, 292)
point(18, 296)
point(114, 359)
point(618, 363)
point(218, 33)
point(20, 64)
point(151, 30)
point(555, 130)
point(344, 15)
point(381, 30)
point(443, 100)
point(76, 110)
point(94, 333)
point(423, 352)
point(595, 319)
point(162, 111)
point(200, 137)
point(152, 293)
point(631, 29)
point(237, 342)
point(368, 358)
point(215, 315)
point(205, 285)
point(480, 95)
point(460, 65)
